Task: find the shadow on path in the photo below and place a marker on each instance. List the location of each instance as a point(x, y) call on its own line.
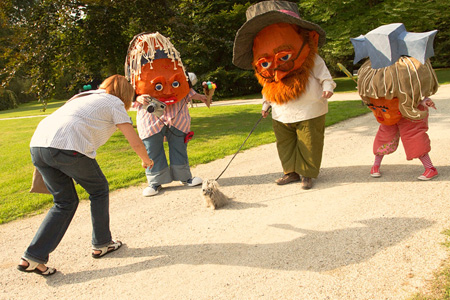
point(335, 176)
point(315, 251)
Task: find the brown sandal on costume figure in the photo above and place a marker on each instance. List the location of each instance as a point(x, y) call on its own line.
point(113, 246)
point(306, 183)
point(288, 178)
point(33, 267)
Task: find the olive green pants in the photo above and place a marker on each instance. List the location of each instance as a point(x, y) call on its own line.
point(300, 145)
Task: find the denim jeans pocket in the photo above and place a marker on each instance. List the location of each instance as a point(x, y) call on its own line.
point(65, 157)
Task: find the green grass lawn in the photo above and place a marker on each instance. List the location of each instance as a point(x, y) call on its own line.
point(443, 76)
point(31, 109)
point(219, 131)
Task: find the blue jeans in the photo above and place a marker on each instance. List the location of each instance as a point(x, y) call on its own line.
point(179, 169)
point(58, 167)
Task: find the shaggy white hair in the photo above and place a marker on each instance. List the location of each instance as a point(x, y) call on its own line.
point(213, 197)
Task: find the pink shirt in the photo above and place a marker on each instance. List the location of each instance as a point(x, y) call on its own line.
point(176, 115)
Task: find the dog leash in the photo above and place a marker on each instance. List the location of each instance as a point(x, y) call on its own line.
point(256, 124)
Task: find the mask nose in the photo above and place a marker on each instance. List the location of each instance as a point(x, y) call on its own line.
point(378, 115)
point(279, 75)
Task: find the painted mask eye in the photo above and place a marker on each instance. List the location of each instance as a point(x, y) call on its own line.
point(384, 110)
point(175, 84)
point(159, 87)
point(286, 57)
point(263, 63)
point(266, 64)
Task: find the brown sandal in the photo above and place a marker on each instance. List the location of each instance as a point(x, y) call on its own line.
point(288, 178)
point(306, 183)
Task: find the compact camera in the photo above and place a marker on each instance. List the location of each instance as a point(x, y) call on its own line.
point(154, 106)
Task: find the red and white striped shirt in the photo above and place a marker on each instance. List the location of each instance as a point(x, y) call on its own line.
point(176, 115)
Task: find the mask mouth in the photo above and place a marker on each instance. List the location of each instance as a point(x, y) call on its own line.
point(168, 101)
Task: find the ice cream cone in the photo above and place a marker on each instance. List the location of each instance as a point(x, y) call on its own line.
point(208, 90)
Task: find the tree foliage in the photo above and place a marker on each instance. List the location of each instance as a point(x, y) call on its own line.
point(59, 45)
point(343, 20)
point(205, 39)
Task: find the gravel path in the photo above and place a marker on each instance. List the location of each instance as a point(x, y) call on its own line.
point(350, 237)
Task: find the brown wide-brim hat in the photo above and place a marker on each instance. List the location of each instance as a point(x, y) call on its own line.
point(261, 15)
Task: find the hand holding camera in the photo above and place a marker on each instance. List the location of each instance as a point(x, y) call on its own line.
point(152, 105)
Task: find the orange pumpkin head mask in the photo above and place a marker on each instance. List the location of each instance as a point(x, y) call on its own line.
point(385, 111)
point(279, 49)
point(283, 55)
point(154, 67)
point(161, 81)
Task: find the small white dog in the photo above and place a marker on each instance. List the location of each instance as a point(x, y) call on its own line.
point(213, 197)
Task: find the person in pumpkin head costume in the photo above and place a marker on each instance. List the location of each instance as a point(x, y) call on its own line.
point(395, 83)
point(155, 69)
point(282, 50)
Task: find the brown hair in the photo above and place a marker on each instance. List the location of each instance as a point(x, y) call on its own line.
point(119, 86)
point(407, 79)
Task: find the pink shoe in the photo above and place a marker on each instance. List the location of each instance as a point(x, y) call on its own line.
point(428, 174)
point(375, 172)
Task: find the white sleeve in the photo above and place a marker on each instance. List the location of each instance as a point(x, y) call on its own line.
point(119, 114)
point(321, 72)
point(266, 104)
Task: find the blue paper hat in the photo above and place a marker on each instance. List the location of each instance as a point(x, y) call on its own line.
point(385, 44)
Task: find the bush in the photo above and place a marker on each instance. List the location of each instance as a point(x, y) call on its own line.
point(231, 83)
point(20, 85)
point(8, 99)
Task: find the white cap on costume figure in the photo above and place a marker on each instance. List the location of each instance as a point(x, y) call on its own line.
point(192, 78)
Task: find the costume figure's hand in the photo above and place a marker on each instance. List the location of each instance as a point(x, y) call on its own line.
point(143, 99)
point(204, 98)
point(200, 97)
point(147, 164)
point(265, 113)
point(327, 94)
point(430, 103)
